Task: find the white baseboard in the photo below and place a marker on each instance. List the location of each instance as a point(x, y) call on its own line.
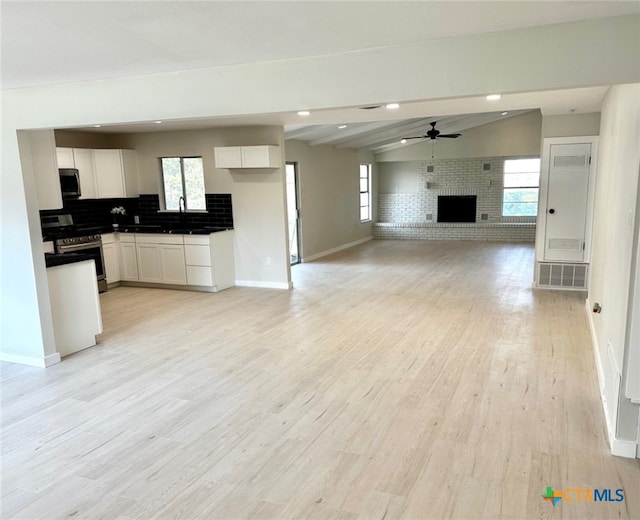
point(622, 448)
point(335, 249)
point(596, 350)
point(264, 285)
point(619, 447)
point(41, 362)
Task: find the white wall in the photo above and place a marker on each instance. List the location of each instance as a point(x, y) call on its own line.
point(329, 196)
point(515, 136)
point(571, 125)
point(552, 57)
point(613, 236)
point(258, 196)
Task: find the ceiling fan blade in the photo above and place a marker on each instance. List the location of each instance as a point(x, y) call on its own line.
point(417, 137)
point(449, 136)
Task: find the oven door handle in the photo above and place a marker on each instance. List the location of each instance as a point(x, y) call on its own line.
point(79, 247)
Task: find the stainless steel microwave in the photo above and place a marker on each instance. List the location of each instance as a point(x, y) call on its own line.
point(70, 183)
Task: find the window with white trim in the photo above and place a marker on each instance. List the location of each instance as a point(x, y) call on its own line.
point(365, 192)
point(183, 177)
point(521, 187)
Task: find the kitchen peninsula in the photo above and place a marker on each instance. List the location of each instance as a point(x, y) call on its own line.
point(75, 304)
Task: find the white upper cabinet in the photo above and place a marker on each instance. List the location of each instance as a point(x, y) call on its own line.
point(260, 156)
point(116, 173)
point(104, 174)
point(228, 157)
point(38, 154)
point(65, 158)
point(83, 160)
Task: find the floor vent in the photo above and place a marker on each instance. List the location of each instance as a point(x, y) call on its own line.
point(562, 276)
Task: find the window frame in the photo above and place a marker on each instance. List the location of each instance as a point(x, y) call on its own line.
point(367, 191)
point(520, 187)
point(163, 201)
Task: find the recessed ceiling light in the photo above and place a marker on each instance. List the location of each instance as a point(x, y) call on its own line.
point(304, 113)
point(392, 106)
point(493, 97)
point(97, 126)
point(504, 113)
point(342, 126)
point(157, 122)
point(403, 141)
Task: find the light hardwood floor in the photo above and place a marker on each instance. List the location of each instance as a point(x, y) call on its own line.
point(397, 380)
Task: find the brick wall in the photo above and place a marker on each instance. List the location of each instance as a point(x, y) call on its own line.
point(475, 176)
point(503, 232)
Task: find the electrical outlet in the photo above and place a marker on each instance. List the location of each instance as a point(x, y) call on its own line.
point(267, 260)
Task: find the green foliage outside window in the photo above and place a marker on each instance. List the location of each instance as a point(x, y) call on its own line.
point(183, 177)
point(521, 187)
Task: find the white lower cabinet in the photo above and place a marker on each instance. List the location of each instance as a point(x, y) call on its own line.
point(197, 253)
point(204, 261)
point(172, 264)
point(128, 258)
point(149, 263)
point(210, 260)
point(111, 254)
point(161, 259)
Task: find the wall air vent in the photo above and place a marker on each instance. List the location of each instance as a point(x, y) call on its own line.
point(570, 160)
point(565, 244)
point(562, 276)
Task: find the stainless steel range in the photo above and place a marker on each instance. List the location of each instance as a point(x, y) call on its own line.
point(68, 238)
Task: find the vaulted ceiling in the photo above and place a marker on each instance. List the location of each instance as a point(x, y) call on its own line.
point(381, 136)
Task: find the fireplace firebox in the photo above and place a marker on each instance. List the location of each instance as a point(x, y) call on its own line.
point(457, 208)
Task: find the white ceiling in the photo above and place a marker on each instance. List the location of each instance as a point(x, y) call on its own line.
point(52, 42)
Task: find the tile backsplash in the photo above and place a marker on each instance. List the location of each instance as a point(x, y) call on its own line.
point(219, 212)
point(97, 212)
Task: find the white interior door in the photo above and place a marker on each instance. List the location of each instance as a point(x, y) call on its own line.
point(567, 199)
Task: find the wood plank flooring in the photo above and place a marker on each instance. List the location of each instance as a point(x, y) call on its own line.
point(398, 379)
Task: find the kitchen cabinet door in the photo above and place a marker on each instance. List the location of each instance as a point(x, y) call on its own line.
point(149, 267)
point(116, 173)
point(261, 157)
point(228, 157)
point(83, 160)
point(109, 173)
point(65, 158)
point(128, 262)
point(111, 253)
point(172, 264)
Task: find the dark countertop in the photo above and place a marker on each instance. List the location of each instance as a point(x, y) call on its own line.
point(55, 259)
point(175, 231)
point(141, 228)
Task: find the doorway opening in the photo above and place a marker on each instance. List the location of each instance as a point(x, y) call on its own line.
point(293, 212)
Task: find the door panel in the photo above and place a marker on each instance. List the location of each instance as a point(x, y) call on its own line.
point(567, 197)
